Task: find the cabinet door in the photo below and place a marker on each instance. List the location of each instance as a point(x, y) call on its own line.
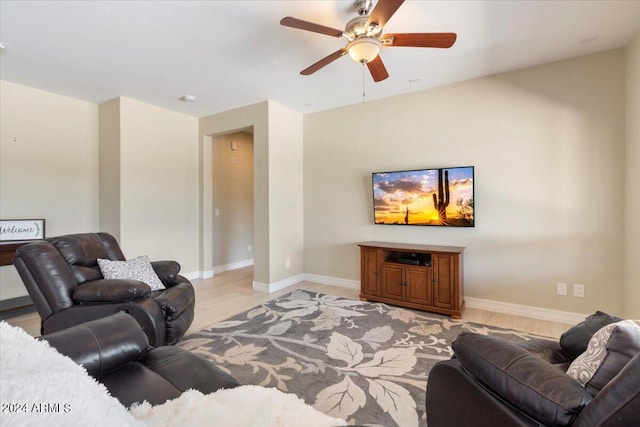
point(443, 281)
point(369, 274)
point(419, 281)
point(393, 281)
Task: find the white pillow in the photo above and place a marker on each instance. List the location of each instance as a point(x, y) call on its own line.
point(585, 367)
point(134, 269)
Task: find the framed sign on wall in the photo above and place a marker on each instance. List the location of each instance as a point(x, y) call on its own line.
point(17, 230)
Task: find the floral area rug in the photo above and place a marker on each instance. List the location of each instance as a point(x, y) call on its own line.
point(367, 363)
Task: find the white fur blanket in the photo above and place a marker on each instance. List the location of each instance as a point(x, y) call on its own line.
point(41, 387)
point(248, 405)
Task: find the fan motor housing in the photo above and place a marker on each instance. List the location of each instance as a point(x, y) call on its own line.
point(362, 7)
point(358, 27)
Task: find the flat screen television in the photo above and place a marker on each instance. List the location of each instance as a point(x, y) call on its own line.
point(439, 197)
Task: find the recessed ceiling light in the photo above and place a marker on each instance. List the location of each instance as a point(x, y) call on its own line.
point(308, 104)
point(187, 98)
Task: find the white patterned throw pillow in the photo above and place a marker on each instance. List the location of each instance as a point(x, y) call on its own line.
point(134, 269)
point(587, 367)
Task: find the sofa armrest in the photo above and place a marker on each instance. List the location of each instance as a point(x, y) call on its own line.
point(167, 271)
point(111, 290)
point(102, 345)
point(521, 378)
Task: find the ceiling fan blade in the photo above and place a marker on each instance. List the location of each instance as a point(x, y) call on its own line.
point(323, 62)
point(442, 40)
point(377, 69)
point(383, 11)
point(310, 26)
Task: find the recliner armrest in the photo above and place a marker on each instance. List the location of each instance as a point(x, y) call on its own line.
point(545, 349)
point(618, 403)
point(175, 300)
point(111, 290)
point(521, 378)
point(102, 345)
point(167, 271)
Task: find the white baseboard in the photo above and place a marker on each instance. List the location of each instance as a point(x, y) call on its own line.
point(276, 286)
point(198, 275)
point(305, 277)
point(566, 317)
point(532, 312)
point(232, 266)
point(218, 269)
point(328, 280)
point(193, 275)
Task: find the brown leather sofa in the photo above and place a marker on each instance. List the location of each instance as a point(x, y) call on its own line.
point(116, 352)
point(66, 285)
point(493, 382)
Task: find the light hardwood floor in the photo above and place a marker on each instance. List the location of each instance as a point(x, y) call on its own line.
point(231, 292)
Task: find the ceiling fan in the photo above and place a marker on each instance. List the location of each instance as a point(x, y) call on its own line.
point(365, 38)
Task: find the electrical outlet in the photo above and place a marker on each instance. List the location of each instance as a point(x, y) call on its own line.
point(561, 288)
point(578, 290)
point(287, 263)
point(249, 248)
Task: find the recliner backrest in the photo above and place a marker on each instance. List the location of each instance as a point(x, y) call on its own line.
point(47, 277)
point(81, 251)
point(53, 268)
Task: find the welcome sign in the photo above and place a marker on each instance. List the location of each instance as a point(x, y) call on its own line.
point(12, 230)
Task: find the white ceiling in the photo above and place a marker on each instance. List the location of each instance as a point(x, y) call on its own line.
point(233, 53)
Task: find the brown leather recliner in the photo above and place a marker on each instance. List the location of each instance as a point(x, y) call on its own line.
point(66, 285)
point(116, 352)
point(494, 382)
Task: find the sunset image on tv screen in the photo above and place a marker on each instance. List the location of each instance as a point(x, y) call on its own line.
point(441, 197)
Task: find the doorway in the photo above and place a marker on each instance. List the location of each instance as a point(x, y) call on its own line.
point(232, 198)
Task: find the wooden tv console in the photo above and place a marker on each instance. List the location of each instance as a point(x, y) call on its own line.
point(415, 276)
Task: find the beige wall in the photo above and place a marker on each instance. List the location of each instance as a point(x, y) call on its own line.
point(140, 182)
point(159, 184)
point(285, 193)
point(632, 193)
point(547, 144)
point(232, 198)
point(110, 206)
point(48, 165)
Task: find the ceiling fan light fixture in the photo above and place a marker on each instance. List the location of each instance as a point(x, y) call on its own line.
point(364, 49)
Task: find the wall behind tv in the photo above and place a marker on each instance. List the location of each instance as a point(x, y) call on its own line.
point(547, 144)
